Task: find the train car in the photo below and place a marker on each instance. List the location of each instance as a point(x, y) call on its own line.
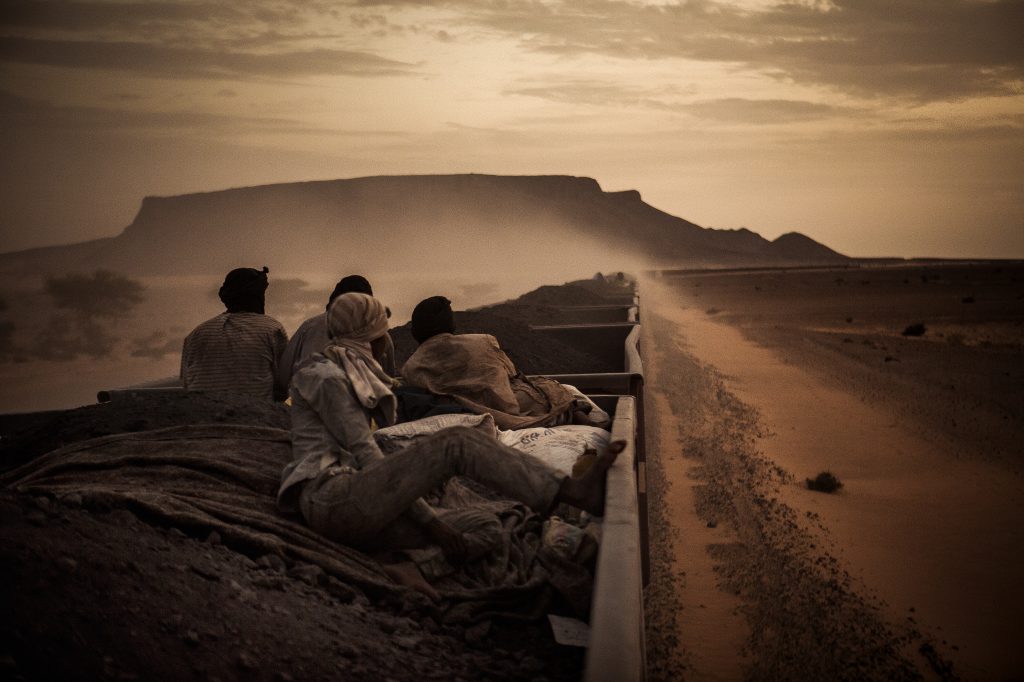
point(616, 651)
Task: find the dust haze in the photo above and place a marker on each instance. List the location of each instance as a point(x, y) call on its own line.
point(63, 337)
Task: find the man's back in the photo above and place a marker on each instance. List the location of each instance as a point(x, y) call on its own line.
point(236, 352)
point(472, 366)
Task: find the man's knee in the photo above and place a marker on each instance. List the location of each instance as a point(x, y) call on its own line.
point(466, 434)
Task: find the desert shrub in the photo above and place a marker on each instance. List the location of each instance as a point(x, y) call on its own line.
point(88, 305)
point(824, 482)
point(916, 329)
point(103, 294)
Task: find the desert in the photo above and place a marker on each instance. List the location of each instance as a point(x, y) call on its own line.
point(902, 380)
point(659, 340)
point(757, 379)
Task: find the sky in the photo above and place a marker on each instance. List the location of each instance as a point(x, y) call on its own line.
point(880, 128)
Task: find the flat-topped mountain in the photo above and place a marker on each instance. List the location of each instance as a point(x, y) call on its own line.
point(403, 222)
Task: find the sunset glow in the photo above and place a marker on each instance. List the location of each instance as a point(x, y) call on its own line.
point(876, 128)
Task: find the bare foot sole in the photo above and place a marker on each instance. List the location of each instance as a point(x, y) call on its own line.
point(408, 575)
point(587, 491)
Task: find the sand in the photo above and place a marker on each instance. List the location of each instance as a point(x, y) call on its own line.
point(913, 567)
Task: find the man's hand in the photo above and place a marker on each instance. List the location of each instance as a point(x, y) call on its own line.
point(451, 541)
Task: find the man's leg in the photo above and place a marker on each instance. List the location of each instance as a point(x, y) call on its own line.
point(354, 508)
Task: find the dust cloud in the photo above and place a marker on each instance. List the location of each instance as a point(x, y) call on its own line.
point(61, 343)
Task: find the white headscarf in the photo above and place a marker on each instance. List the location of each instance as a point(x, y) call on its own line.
point(353, 321)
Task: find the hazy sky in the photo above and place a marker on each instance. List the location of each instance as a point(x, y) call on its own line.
point(880, 127)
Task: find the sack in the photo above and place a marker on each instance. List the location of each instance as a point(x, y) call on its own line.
point(558, 446)
point(584, 404)
point(399, 436)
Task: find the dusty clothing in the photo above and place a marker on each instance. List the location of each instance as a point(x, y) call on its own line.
point(311, 337)
point(472, 369)
point(330, 428)
point(349, 491)
point(360, 508)
point(235, 352)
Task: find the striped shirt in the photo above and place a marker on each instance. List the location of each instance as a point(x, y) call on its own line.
point(236, 352)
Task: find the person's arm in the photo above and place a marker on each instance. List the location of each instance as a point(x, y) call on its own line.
point(388, 362)
point(347, 421)
point(286, 365)
point(279, 342)
point(182, 374)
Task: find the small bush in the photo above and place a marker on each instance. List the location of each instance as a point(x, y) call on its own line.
point(916, 329)
point(824, 482)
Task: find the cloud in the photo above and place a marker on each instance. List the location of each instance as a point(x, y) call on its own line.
point(141, 18)
point(599, 92)
point(184, 62)
point(918, 49)
point(19, 115)
point(764, 111)
point(728, 110)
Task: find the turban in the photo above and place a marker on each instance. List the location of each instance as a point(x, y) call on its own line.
point(243, 290)
point(357, 317)
point(353, 321)
point(432, 316)
point(351, 284)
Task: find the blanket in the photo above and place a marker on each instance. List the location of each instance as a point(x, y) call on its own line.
point(224, 478)
point(474, 371)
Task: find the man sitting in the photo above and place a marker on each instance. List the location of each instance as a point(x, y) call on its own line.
point(311, 336)
point(347, 490)
point(472, 369)
point(238, 350)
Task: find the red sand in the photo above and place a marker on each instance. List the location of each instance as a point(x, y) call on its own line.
point(926, 535)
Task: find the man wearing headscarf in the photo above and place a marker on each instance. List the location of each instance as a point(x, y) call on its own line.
point(348, 491)
point(237, 351)
point(475, 372)
point(311, 336)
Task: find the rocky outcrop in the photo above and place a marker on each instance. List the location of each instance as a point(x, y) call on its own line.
point(402, 222)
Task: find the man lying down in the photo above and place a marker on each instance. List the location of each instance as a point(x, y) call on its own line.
point(347, 490)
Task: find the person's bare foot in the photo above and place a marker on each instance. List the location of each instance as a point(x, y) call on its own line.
point(408, 575)
point(587, 491)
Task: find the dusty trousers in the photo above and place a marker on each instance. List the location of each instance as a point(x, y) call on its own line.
point(366, 508)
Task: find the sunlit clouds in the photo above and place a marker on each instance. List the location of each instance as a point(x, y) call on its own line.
point(875, 127)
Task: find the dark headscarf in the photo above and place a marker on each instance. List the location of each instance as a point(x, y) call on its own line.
point(243, 290)
point(432, 316)
point(353, 284)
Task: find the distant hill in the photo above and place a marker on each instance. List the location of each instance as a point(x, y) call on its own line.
point(432, 222)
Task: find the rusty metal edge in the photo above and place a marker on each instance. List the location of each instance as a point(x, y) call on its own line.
point(616, 652)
